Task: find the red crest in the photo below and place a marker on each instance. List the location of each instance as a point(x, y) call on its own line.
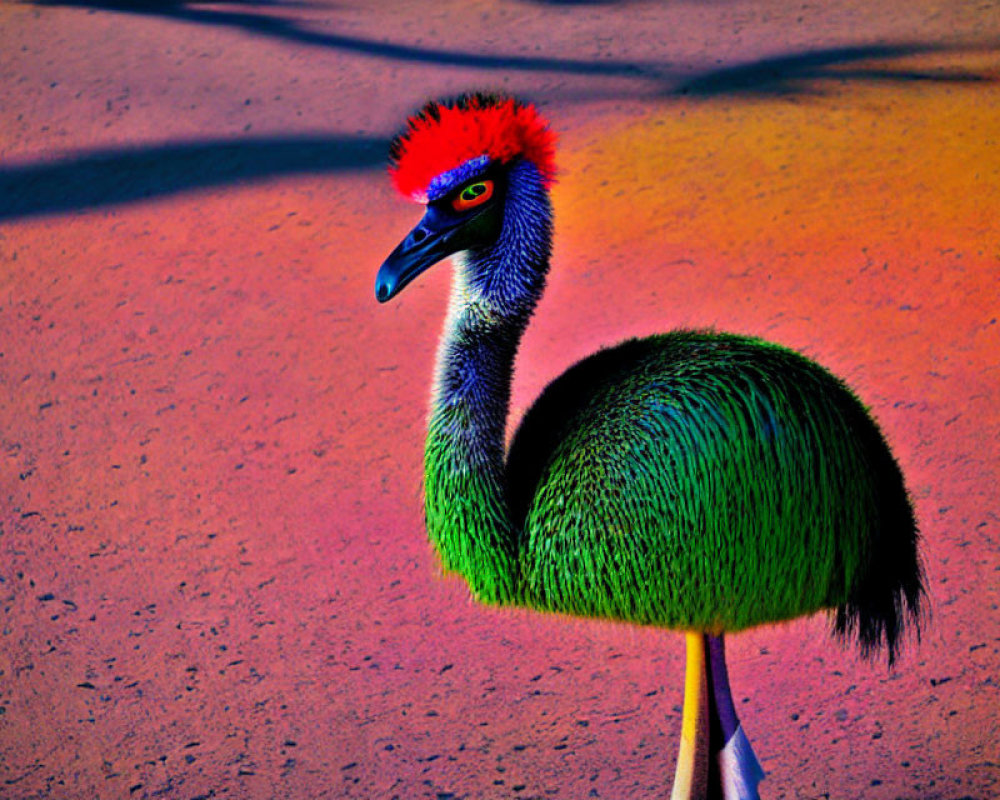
point(445, 135)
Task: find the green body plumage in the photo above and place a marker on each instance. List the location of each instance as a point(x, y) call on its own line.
point(691, 480)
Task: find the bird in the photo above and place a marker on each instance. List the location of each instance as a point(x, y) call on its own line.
point(694, 480)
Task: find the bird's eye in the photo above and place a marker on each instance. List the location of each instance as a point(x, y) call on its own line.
point(473, 195)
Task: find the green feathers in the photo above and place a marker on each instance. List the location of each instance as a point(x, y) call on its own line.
point(691, 480)
point(467, 520)
point(702, 484)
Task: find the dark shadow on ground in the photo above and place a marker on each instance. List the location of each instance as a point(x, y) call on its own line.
point(111, 177)
point(804, 73)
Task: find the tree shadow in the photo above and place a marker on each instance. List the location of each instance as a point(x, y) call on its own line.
point(292, 31)
point(111, 177)
point(805, 73)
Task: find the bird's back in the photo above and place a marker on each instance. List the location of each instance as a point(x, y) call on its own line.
point(709, 481)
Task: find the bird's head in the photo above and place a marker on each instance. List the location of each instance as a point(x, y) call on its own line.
point(481, 165)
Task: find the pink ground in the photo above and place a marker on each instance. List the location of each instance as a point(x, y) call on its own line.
point(213, 576)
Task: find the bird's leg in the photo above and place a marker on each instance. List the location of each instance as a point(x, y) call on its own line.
point(691, 776)
point(715, 761)
point(734, 771)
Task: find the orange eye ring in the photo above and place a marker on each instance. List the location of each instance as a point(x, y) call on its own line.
point(473, 195)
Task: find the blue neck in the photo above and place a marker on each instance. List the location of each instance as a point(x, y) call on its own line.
point(494, 293)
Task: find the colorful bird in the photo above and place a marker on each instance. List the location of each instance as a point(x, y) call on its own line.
point(700, 481)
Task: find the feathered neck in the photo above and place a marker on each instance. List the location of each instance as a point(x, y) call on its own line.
point(494, 292)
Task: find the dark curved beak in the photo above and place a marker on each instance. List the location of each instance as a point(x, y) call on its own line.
point(435, 237)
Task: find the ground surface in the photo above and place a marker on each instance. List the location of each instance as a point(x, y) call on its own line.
point(213, 576)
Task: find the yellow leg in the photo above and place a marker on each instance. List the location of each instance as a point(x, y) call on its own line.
point(691, 778)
